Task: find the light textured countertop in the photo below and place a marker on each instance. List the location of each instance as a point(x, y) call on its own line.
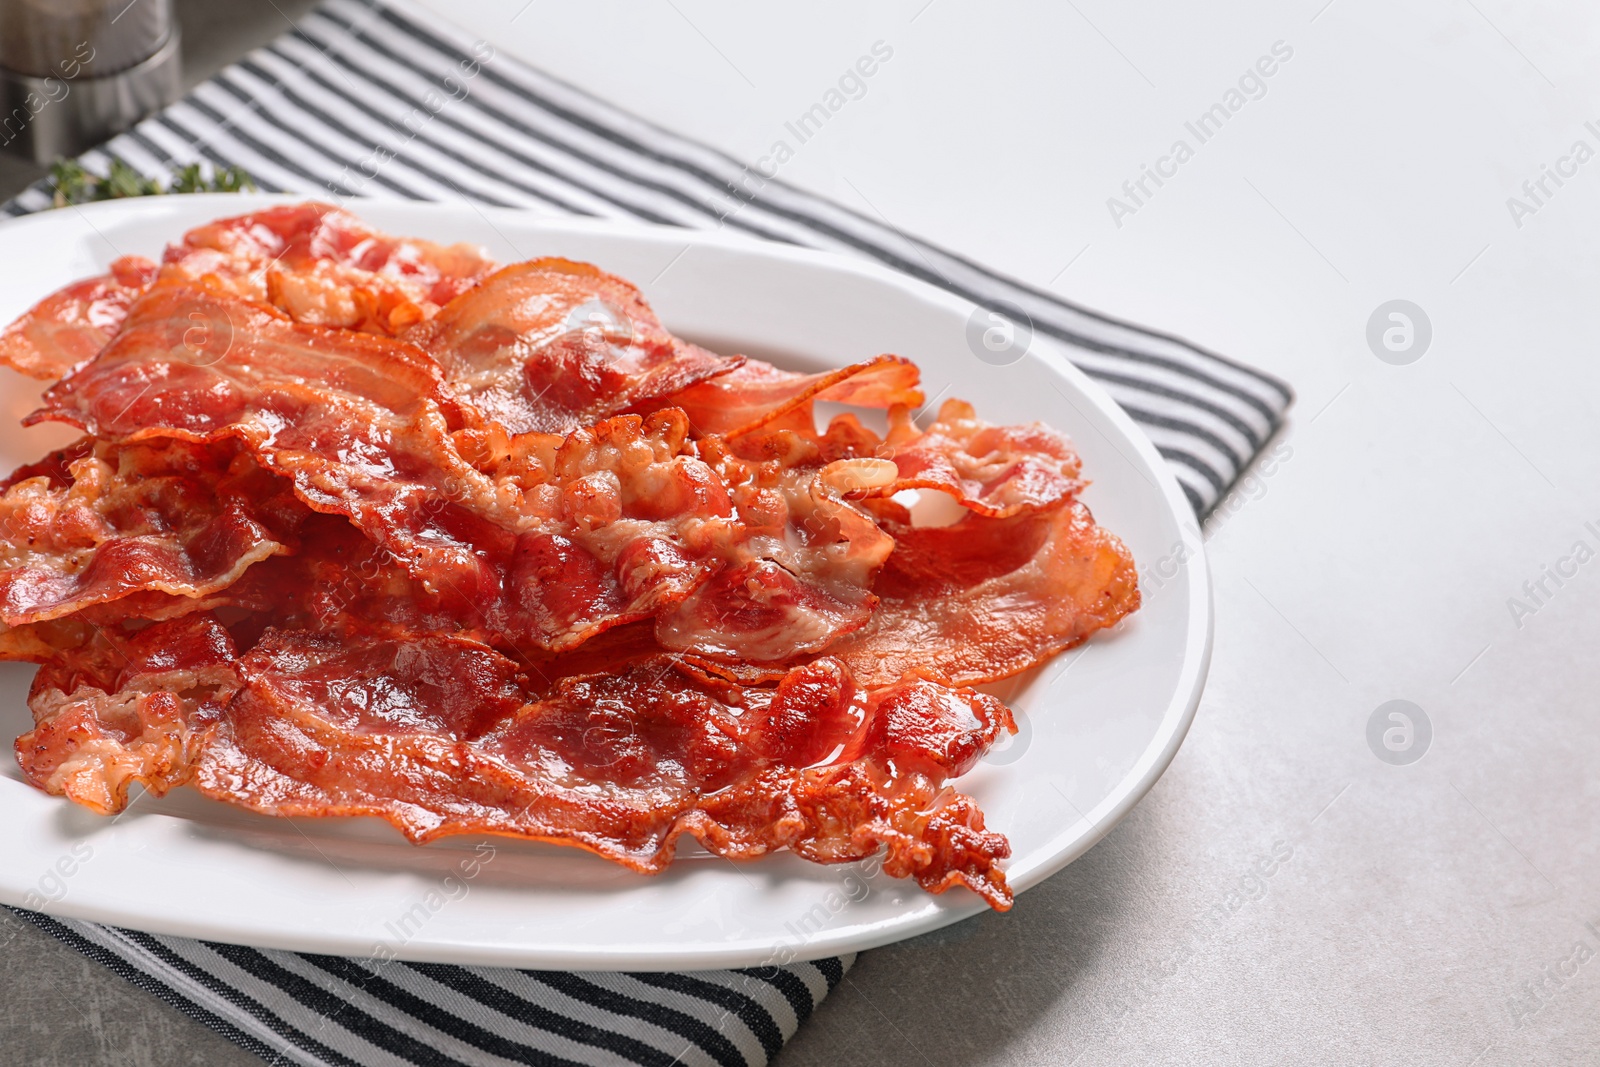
point(1283, 895)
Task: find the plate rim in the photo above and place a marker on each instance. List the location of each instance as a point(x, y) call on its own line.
point(1154, 759)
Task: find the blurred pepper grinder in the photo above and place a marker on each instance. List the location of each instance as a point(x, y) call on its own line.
point(73, 73)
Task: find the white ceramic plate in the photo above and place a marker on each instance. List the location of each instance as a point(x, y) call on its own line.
point(1100, 723)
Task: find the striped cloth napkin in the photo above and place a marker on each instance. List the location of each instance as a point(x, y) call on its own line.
point(373, 97)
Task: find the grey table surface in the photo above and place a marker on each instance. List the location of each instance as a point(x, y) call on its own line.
point(1284, 894)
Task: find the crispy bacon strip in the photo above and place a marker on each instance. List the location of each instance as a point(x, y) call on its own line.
point(316, 262)
point(550, 345)
point(69, 326)
point(190, 359)
point(105, 522)
point(985, 598)
point(352, 420)
point(993, 470)
point(995, 473)
point(977, 601)
point(805, 571)
point(125, 709)
point(337, 582)
point(725, 554)
point(428, 734)
point(324, 266)
point(758, 394)
point(616, 523)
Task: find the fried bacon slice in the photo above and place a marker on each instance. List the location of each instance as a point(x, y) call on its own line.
point(127, 708)
point(102, 521)
point(979, 600)
point(352, 420)
point(1026, 574)
point(985, 598)
point(758, 394)
point(69, 326)
point(615, 523)
point(336, 581)
point(430, 734)
point(315, 262)
point(324, 266)
point(190, 360)
point(997, 471)
point(806, 570)
point(735, 547)
point(550, 346)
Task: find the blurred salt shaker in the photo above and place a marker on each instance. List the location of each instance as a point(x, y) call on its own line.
point(73, 73)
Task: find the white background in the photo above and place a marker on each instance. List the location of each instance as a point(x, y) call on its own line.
point(1375, 563)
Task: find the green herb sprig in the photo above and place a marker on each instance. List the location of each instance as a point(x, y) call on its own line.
point(75, 185)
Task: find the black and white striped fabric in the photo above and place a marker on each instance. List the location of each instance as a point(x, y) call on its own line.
point(373, 97)
point(353, 103)
point(318, 1011)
